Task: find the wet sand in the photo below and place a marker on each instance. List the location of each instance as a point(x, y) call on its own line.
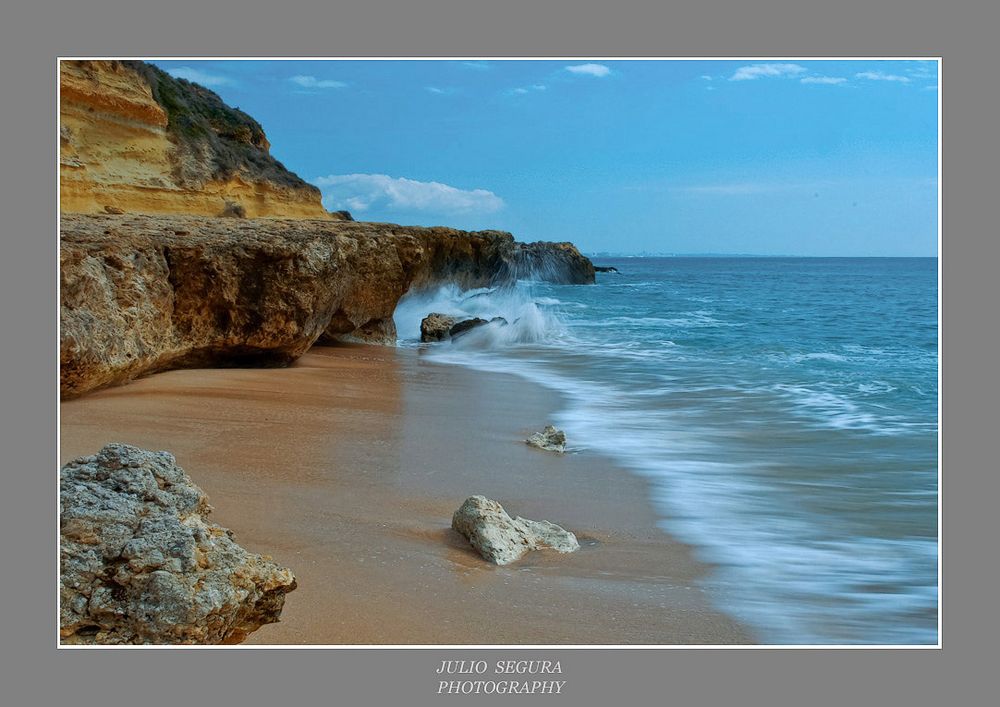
point(347, 466)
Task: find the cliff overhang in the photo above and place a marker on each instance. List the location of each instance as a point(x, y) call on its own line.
point(141, 294)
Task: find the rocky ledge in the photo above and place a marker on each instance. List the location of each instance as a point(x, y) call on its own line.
point(140, 564)
point(140, 294)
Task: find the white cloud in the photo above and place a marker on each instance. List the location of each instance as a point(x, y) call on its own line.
point(706, 77)
point(827, 80)
point(437, 90)
point(879, 76)
point(198, 76)
point(756, 71)
point(521, 90)
point(360, 192)
point(313, 82)
point(598, 70)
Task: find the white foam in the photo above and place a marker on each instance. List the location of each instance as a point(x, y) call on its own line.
point(782, 569)
point(526, 322)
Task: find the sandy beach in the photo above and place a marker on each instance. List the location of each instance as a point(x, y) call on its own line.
point(346, 468)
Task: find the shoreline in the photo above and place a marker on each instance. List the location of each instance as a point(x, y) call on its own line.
point(346, 467)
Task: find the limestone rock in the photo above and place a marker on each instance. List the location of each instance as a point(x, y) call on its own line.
point(501, 539)
point(141, 294)
point(139, 563)
point(550, 439)
point(561, 263)
point(436, 327)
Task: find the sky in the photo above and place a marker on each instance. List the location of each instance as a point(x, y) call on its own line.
point(763, 157)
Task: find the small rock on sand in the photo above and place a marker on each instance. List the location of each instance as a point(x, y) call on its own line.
point(501, 539)
point(549, 439)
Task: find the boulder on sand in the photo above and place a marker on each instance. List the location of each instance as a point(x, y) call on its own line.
point(436, 327)
point(140, 564)
point(550, 439)
point(501, 539)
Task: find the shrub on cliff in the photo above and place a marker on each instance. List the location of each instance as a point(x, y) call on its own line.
point(198, 119)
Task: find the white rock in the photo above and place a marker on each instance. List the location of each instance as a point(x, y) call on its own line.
point(549, 439)
point(501, 539)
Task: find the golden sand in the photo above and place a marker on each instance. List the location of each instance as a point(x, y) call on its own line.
point(347, 466)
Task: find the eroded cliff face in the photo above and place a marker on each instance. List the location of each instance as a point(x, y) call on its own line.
point(135, 140)
point(141, 294)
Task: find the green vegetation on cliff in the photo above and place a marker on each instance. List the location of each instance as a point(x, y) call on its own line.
point(199, 118)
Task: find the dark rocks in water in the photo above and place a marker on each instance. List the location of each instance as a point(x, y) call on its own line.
point(559, 263)
point(605, 268)
point(141, 563)
point(467, 325)
point(549, 439)
point(436, 327)
point(501, 539)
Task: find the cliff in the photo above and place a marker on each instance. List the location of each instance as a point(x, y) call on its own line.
point(134, 139)
point(152, 280)
point(141, 294)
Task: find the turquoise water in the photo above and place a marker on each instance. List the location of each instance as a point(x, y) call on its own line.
point(784, 409)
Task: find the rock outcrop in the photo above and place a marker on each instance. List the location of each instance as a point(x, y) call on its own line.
point(561, 263)
point(134, 139)
point(143, 291)
point(139, 563)
point(501, 539)
point(549, 439)
point(140, 294)
point(466, 325)
point(436, 327)
point(440, 327)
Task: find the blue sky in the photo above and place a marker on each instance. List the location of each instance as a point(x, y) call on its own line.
point(764, 157)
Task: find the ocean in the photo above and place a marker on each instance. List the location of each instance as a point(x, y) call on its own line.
point(784, 410)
